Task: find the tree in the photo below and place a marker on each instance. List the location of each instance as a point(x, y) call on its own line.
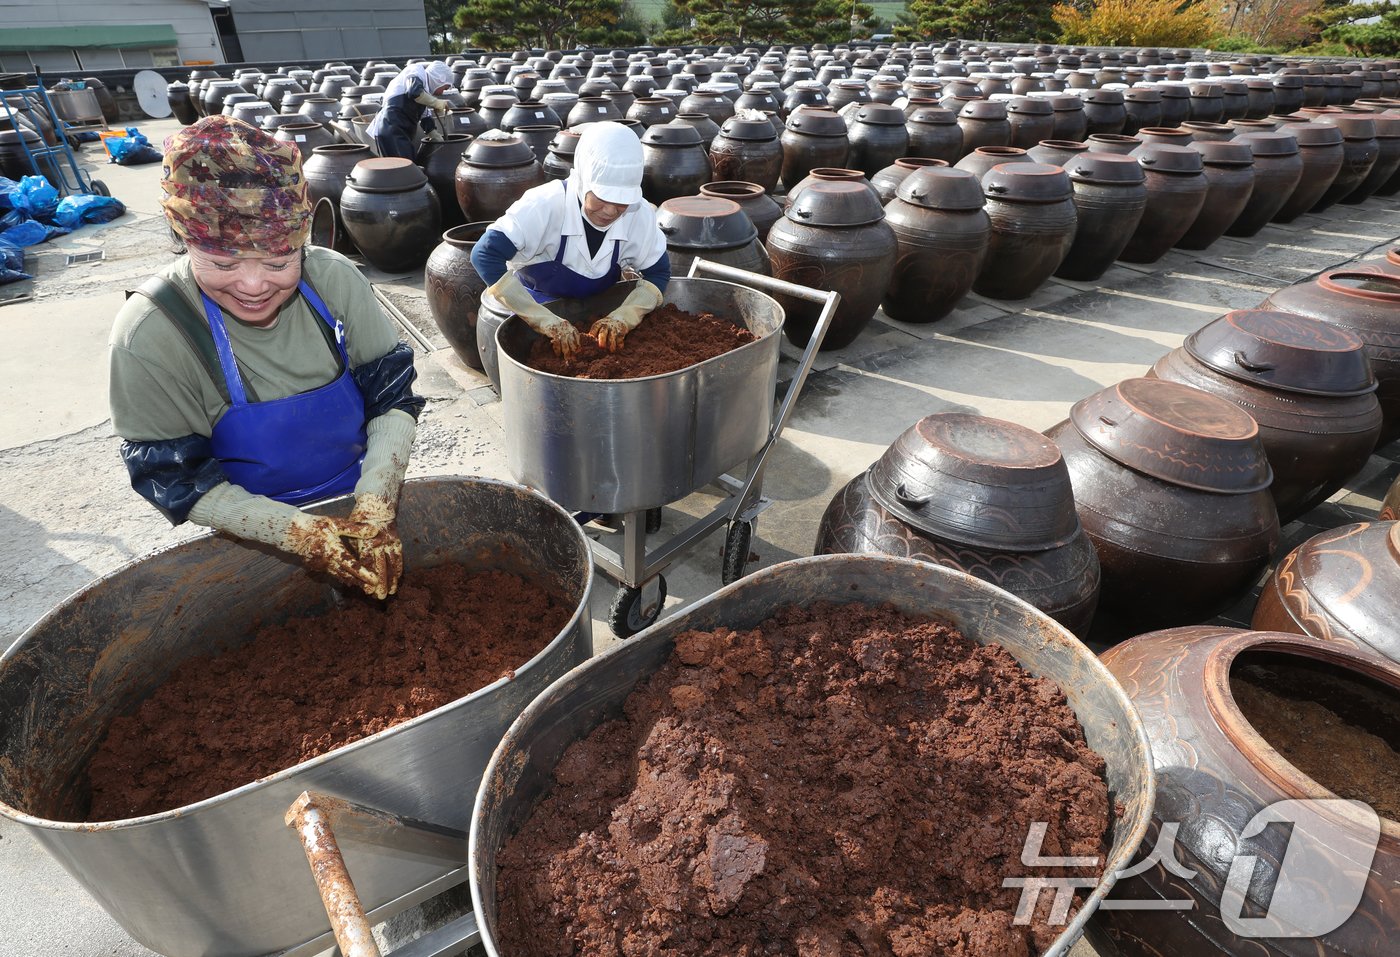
point(732, 21)
point(1166, 23)
point(1380, 37)
point(999, 20)
point(439, 14)
point(552, 24)
point(1285, 23)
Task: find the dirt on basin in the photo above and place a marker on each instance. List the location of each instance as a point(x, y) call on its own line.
point(311, 685)
point(666, 340)
point(841, 780)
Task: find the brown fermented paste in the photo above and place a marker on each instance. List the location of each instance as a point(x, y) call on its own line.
point(667, 339)
point(311, 685)
point(842, 780)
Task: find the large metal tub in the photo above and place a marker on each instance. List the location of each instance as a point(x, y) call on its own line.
point(629, 444)
point(225, 877)
point(520, 771)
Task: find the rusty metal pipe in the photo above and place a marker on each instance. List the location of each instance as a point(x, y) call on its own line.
point(343, 907)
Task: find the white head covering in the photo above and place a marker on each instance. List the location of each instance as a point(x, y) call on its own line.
point(608, 163)
point(437, 74)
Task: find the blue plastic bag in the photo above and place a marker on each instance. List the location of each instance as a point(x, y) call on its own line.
point(11, 264)
point(31, 195)
point(133, 149)
point(74, 211)
point(28, 233)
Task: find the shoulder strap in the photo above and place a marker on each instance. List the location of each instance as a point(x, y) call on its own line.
point(171, 302)
point(327, 333)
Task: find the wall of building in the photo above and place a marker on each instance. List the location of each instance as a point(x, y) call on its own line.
point(296, 30)
point(191, 20)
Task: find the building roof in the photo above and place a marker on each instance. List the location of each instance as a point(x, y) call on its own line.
point(106, 36)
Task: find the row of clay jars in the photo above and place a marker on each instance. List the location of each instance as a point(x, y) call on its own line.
point(987, 497)
point(1306, 383)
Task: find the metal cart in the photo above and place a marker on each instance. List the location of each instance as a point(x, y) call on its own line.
point(625, 447)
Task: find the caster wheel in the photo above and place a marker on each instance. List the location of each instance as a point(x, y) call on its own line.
point(653, 520)
point(736, 551)
point(99, 188)
point(633, 611)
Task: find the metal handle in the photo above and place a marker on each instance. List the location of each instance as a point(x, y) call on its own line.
point(901, 494)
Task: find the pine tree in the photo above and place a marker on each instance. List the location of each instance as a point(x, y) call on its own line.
point(551, 24)
point(1005, 21)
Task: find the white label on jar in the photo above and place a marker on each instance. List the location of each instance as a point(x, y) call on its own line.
point(665, 109)
point(539, 116)
point(300, 138)
point(602, 109)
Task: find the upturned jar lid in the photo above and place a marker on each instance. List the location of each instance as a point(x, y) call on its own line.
point(978, 481)
point(984, 110)
point(816, 122)
point(827, 202)
point(1109, 168)
point(1029, 106)
point(1270, 143)
point(499, 101)
point(1353, 127)
point(1175, 433)
point(1230, 153)
point(1387, 126)
point(738, 128)
point(704, 222)
point(498, 149)
point(1206, 89)
point(880, 114)
point(1258, 83)
point(1140, 95)
point(1165, 158)
point(671, 134)
point(1281, 350)
point(936, 187)
point(1104, 97)
point(1066, 104)
point(1316, 134)
point(934, 115)
point(387, 175)
point(1027, 183)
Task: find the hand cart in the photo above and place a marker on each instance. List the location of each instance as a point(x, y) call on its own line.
point(55, 163)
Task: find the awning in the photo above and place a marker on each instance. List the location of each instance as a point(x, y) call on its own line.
point(106, 37)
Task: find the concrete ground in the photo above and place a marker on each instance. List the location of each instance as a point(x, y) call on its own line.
point(68, 516)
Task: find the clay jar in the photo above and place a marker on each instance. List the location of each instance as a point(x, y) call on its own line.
point(591, 109)
point(650, 110)
point(1366, 304)
point(833, 236)
point(748, 151)
point(1031, 208)
point(1321, 150)
point(1104, 111)
point(1110, 197)
point(761, 209)
point(934, 133)
point(1178, 536)
point(1141, 108)
point(673, 163)
point(710, 228)
point(1176, 191)
point(560, 159)
point(1360, 151)
point(1056, 152)
point(305, 137)
point(177, 94)
point(813, 138)
point(706, 127)
point(982, 160)
point(886, 181)
point(439, 160)
point(325, 173)
point(391, 213)
point(877, 137)
point(1031, 119)
point(1229, 172)
point(1070, 121)
point(712, 103)
point(1216, 774)
point(1277, 170)
point(529, 114)
point(943, 233)
point(495, 171)
point(1387, 159)
point(454, 289)
point(1306, 383)
point(1176, 104)
point(984, 496)
point(984, 123)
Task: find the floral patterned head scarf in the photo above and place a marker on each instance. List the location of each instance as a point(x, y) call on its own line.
point(233, 190)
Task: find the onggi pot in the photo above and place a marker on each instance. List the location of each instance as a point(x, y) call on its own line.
point(1277, 171)
point(1387, 159)
point(325, 171)
point(495, 171)
point(886, 181)
point(1110, 197)
point(1031, 208)
point(439, 159)
point(1229, 173)
point(877, 137)
point(934, 133)
point(833, 236)
point(763, 211)
point(1320, 149)
point(984, 123)
point(673, 162)
point(710, 228)
point(747, 150)
point(813, 138)
point(454, 289)
point(391, 213)
point(1176, 191)
point(1360, 151)
point(942, 232)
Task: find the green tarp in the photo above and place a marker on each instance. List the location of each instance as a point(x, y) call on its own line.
point(108, 37)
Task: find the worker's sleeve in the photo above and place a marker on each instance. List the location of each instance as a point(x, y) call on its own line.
point(491, 254)
point(388, 443)
point(173, 474)
point(659, 272)
point(532, 223)
point(387, 383)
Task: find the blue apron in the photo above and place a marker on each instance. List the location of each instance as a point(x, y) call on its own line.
point(554, 280)
point(298, 449)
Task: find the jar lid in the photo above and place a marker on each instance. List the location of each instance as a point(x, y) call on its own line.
point(1177, 434)
point(1353, 127)
point(1281, 350)
point(1029, 106)
point(704, 222)
point(815, 121)
point(826, 202)
point(1316, 134)
point(880, 114)
point(978, 481)
point(1165, 158)
point(1066, 104)
point(1230, 153)
point(1270, 143)
point(984, 110)
point(387, 175)
point(671, 134)
point(499, 149)
point(1109, 168)
point(1104, 97)
point(934, 115)
point(944, 188)
point(738, 128)
point(1027, 183)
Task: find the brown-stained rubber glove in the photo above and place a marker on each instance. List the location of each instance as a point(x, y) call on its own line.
point(612, 329)
point(382, 554)
point(389, 440)
point(511, 292)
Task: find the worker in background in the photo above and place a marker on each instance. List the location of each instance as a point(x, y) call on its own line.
point(257, 374)
point(413, 99)
point(573, 239)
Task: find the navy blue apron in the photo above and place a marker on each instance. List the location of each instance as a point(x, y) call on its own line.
point(298, 449)
point(553, 280)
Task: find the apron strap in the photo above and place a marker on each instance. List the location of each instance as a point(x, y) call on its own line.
point(172, 303)
point(227, 363)
point(332, 329)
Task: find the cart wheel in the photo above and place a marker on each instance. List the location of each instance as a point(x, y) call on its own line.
point(631, 612)
point(653, 520)
point(99, 188)
point(736, 551)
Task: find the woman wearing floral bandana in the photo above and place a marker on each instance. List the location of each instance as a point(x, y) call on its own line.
point(257, 374)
